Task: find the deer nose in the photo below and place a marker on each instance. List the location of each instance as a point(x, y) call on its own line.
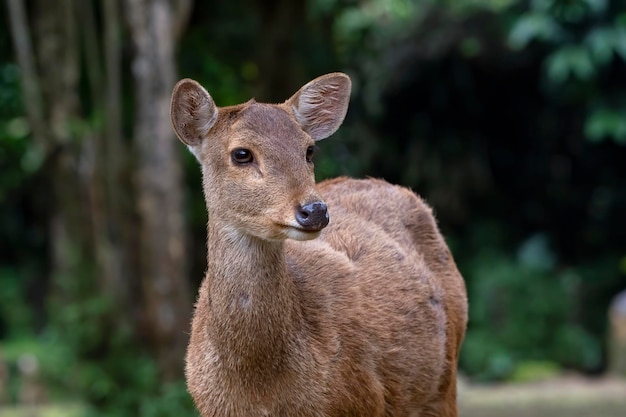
point(313, 217)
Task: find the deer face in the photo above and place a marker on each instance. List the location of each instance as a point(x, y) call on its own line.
point(259, 175)
point(257, 158)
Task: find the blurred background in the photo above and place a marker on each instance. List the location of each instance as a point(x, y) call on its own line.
point(507, 116)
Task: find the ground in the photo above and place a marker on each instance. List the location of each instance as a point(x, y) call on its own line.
point(570, 396)
point(56, 410)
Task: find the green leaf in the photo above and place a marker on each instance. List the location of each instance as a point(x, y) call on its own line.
point(535, 252)
point(533, 371)
point(570, 60)
point(534, 26)
point(619, 41)
point(606, 123)
point(18, 128)
point(32, 159)
point(600, 42)
point(597, 6)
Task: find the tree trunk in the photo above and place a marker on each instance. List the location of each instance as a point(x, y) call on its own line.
point(115, 213)
point(159, 185)
point(71, 239)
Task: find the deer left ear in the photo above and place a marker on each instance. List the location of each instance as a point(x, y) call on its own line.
point(321, 105)
point(193, 112)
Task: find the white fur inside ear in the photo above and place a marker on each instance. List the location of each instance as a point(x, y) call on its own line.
point(205, 115)
point(315, 106)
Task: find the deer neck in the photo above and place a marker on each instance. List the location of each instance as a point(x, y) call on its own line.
point(253, 301)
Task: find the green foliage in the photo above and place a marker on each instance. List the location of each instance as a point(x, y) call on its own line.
point(531, 371)
point(584, 37)
point(171, 400)
point(606, 123)
point(17, 158)
point(20, 243)
point(569, 61)
point(125, 384)
point(101, 361)
point(527, 314)
point(14, 309)
point(86, 352)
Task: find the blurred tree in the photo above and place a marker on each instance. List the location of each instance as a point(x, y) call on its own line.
point(163, 273)
point(114, 214)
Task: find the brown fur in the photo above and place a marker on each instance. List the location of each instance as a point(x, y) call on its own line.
point(365, 320)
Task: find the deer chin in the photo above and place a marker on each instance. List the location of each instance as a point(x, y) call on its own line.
point(290, 229)
point(278, 232)
point(300, 234)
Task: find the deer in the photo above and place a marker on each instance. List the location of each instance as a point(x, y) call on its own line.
point(334, 299)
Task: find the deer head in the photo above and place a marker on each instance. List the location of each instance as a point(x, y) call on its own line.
point(257, 158)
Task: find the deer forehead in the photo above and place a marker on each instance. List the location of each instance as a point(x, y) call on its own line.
point(268, 126)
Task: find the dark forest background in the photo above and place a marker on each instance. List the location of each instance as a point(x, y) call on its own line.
point(508, 117)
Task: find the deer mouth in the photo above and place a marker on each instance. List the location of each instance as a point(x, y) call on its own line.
point(300, 233)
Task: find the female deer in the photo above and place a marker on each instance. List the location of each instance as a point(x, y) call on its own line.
point(363, 317)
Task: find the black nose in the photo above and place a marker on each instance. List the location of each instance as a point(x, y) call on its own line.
point(312, 217)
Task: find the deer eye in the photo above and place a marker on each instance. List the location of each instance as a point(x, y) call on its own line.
point(310, 152)
point(241, 156)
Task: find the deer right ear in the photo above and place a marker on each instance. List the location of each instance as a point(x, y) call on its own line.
point(193, 112)
point(321, 105)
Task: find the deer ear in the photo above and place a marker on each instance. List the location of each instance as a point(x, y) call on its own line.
point(321, 105)
point(193, 112)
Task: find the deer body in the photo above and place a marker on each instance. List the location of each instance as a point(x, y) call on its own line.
point(361, 318)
